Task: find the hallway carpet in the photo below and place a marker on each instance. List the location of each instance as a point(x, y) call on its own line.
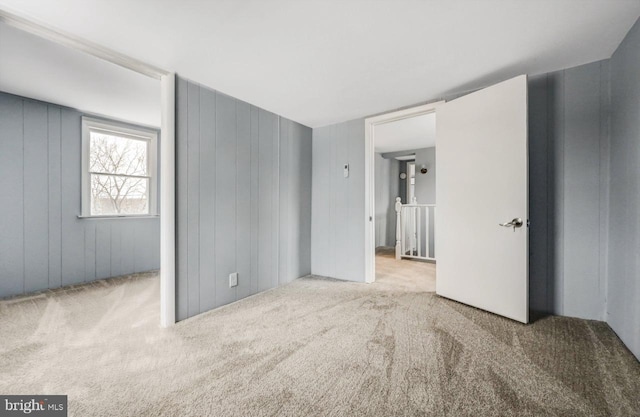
point(315, 347)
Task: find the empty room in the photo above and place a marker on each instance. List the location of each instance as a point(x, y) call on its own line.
point(320, 208)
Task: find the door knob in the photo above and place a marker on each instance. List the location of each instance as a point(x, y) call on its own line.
point(517, 222)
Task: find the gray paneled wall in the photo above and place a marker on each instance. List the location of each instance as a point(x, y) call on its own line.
point(425, 189)
point(568, 137)
point(568, 165)
point(623, 296)
point(387, 183)
point(43, 244)
point(243, 199)
point(338, 203)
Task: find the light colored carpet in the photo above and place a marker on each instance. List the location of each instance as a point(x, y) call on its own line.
point(395, 275)
point(316, 347)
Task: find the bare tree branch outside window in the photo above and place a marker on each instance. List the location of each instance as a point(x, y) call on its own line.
point(119, 177)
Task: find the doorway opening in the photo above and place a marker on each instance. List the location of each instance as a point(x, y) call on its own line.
point(400, 188)
point(482, 251)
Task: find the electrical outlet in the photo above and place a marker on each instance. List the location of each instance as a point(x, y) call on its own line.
point(233, 280)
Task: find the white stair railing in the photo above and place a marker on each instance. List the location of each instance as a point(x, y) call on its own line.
point(414, 229)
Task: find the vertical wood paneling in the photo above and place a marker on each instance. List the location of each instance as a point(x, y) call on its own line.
point(284, 212)
point(45, 245)
point(556, 124)
point(72, 227)
point(605, 171)
point(11, 184)
point(255, 202)
point(342, 190)
point(299, 201)
point(243, 198)
point(294, 163)
point(334, 170)
point(623, 308)
point(182, 180)
point(305, 172)
point(127, 248)
point(116, 248)
point(154, 243)
point(247, 208)
point(90, 251)
point(193, 202)
point(321, 201)
point(582, 192)
point(265, 202)
point(36, 218)
point(55, 200)
point(207, 198)
point(225, 217)
point(103, 249)
point(355, 219)
point(275, 204)
point(147, 256)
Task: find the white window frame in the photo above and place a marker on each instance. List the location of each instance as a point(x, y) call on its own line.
point(126, 131)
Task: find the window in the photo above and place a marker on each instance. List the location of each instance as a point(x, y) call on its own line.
point(118, 169)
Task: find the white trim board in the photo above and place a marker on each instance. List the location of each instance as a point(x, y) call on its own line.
point(45, 31)
point(369, 177)
point(168, 202)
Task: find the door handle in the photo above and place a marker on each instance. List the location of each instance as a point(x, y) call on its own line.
point(517, 222)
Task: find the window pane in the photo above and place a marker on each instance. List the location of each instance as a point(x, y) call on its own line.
point(113, 195)
point(117, 155)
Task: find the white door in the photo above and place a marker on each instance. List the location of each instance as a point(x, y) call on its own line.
point(482, 182)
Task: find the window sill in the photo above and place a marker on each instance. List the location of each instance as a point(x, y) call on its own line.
point(129, 216)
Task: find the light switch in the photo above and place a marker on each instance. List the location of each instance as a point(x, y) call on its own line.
point(233, 279)
point(346, 170)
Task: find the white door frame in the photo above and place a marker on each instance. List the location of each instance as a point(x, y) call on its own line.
point(167, 143)
point(369, 177)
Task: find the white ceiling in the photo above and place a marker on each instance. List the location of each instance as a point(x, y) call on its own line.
point(320, 61)
point(406, 134)
point(33, 67)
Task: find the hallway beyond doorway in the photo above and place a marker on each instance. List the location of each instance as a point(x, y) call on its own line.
point(417, 275)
